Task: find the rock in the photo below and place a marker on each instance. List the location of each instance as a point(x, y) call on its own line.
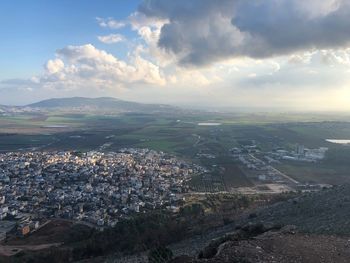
point(290, 229)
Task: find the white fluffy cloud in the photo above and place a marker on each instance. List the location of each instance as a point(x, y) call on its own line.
point(78, 66)
point(54, 65)
point(149, 30)
point(111, 39)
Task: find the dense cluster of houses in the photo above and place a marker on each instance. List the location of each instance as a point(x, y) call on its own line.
point(98, 188)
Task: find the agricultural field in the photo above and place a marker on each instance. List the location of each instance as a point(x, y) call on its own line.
point(178, 133)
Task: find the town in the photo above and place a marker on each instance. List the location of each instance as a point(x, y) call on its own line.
point(259, 165)
point(94, 187)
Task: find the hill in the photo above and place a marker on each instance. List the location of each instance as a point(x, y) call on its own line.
point(303, 229)
point(324, 212)
point(99, 104)
point(285, 245)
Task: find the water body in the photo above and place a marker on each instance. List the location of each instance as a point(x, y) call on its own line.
point(344, 142)
point(55, 126)
point(209, 124)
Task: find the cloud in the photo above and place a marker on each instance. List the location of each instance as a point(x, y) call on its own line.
point(110, 23)
point(88, 68)
point(297, 75)
point(148, 30)
point(54, 65)
point(202, 32)
point(111, 39)
point(227, 52)
point(333, 57)
point(138, 20)
point(302, 58)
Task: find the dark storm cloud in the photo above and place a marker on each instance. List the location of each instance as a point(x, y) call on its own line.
point(282, 27)
point(200, 32)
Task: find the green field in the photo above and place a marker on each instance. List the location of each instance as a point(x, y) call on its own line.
point(179, 133)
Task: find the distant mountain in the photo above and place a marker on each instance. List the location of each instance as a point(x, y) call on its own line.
point(99, 104)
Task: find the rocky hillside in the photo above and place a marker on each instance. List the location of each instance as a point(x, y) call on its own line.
point(285, 245)
point(324, 212)
point(313, 227)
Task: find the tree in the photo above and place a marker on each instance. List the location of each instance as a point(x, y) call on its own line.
point(160, 255)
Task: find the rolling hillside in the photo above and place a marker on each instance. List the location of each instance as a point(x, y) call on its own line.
point(105, 103)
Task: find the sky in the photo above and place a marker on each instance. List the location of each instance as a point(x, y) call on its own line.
point(272, 54)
